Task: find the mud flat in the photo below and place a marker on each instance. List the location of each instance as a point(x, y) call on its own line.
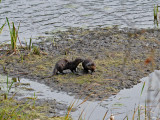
point(122, 57)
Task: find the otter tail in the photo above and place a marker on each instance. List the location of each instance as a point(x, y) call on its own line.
point(54, 71)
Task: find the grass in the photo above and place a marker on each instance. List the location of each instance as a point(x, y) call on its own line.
point(36, 50)
point(18, 110)
point(156, 15)
point(2, 28)
point(12, 109)
point(13, 34)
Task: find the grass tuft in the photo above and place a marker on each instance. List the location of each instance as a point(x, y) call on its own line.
point(13, 34)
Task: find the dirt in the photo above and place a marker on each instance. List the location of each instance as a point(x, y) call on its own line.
point(122, 57)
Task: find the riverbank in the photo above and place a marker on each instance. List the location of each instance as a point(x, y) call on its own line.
point(122, 57)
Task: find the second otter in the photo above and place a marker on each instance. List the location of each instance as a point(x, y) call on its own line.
point(72, 65)
point(88, 64)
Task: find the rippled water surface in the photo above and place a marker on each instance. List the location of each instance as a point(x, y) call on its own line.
point(39, 16)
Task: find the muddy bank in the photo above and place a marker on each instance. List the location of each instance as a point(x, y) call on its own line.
point(122, 57)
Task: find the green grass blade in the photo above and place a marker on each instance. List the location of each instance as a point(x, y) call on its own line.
point(7, 82)
point(8, 24)
point(18, 27)
point(30, 42)
point(11, 33)
point(154, 11)
point(142, 88)
point(10, 86)
point(138, 113)
point(2, 28)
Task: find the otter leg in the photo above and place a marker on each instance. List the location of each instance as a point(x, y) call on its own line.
point(55, 72)
point(92, 71)
point(85, 70)
point(73, 70)
point(61, 71)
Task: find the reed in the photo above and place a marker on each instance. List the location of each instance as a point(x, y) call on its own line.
point(155, 11)
point(13, 35)
point(21, 56)
point(30, 43)
point(142, 88)
point(4, 68)
point(36, 50)
point(69, 110)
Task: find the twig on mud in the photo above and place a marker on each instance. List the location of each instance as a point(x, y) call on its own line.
point(20, 42)
point(12, 54)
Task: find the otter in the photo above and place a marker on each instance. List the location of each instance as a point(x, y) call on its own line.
point(88, 64)
point(60, 66)
point(72, 65)
point(65, 64)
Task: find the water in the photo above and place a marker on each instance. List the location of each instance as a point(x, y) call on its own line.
point(38, 16)
point(120, 105)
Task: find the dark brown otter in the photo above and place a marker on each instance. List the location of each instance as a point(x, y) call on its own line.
point(64, 64)
point(88, 64)
point(60, 66)
point(72, 65)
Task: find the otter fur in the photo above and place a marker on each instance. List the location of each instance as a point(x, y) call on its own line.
point(60, 66)
point(65, 64)
point(88, 64)
point(72, 65)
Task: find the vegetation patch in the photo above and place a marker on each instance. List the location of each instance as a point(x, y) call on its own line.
point(23, 110)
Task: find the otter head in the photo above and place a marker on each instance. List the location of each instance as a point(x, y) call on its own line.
point(91, 66)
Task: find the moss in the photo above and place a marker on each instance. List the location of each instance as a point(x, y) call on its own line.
point(111, 89)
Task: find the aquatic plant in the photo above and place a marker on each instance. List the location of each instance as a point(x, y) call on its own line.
point(2, 28)
point(22, 56)
point(4, 68)
point(13, 34)
point(156, 15)
point(36, 50)
point(30, 43)
point(69, 110)
point(8, 88)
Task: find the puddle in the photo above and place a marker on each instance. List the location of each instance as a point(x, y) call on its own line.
point(120, 105)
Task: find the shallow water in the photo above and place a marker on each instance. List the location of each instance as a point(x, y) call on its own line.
point(120, 105)
point(38, 16)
